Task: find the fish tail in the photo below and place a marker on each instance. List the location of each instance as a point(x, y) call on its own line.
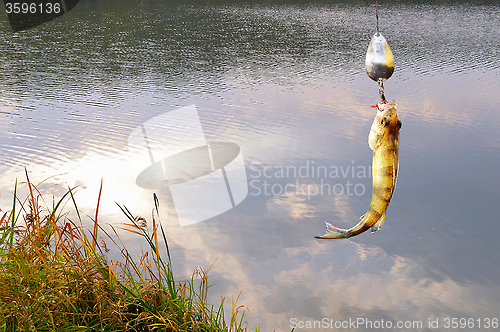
point(333, 232)
point(367, 221)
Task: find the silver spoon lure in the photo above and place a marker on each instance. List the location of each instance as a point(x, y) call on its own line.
point(379, 62)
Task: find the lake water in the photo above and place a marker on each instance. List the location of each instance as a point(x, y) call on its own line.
point(283, 85)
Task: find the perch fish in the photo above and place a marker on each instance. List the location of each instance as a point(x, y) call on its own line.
point(384, 141)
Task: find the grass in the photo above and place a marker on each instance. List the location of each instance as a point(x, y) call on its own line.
point(55, 275)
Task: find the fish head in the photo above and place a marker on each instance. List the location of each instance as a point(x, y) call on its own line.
point(386, 125)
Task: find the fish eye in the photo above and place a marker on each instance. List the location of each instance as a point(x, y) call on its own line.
point(382, 121)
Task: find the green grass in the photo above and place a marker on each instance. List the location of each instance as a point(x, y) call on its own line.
point(55, 275)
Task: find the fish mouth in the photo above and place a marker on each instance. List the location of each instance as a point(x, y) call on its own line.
point(386, 106)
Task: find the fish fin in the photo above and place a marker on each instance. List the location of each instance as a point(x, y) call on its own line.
point(379, 224)
point(333, 232)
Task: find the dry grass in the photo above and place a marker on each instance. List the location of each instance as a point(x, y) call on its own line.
point(55, 276)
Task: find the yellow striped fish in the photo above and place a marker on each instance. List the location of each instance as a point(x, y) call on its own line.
point(384, 141)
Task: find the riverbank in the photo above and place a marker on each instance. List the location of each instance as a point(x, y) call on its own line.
point(55, 275)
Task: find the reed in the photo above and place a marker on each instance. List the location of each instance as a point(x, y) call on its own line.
point(55, 275)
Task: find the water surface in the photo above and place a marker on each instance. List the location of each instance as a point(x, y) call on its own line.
point(286, 83)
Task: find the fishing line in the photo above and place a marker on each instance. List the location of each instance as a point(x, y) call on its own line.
point(380, 81)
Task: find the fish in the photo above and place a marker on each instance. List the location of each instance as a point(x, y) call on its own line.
point(383, 139)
